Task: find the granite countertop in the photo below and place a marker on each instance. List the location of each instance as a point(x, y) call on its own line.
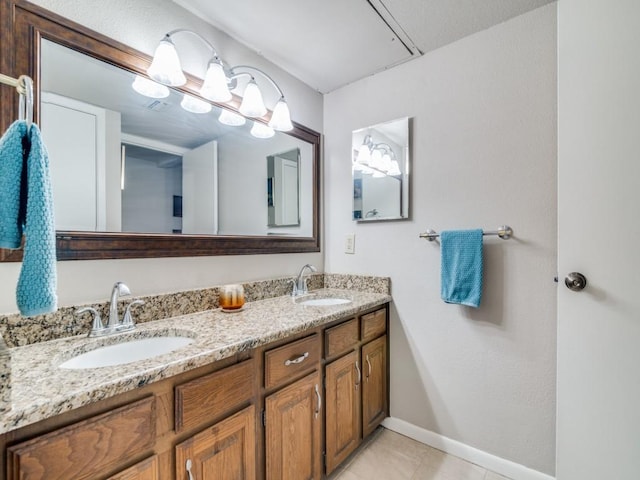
point(39, 389)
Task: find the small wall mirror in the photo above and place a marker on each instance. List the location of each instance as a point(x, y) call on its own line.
point(380, 166)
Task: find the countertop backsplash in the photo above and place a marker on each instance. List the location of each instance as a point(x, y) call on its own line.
point(19, 331)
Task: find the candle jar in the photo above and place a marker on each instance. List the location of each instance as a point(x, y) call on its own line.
point(231, 298)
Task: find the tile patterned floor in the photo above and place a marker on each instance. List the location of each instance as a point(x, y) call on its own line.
point(390, 456)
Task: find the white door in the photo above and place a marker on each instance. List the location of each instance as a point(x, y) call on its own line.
point(286, 194)
point(200, 189)
point(598, 424)
point(77, 167)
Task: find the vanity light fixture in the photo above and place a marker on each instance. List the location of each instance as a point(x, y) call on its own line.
point(378, 159)
point(149, 88)
point(219, 81)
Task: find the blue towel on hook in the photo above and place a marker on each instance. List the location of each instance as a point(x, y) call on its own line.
point(26, 206)
point(461, 269)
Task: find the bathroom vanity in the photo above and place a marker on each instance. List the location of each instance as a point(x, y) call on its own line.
point(280, 390)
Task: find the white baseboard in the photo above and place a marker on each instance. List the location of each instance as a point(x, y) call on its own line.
point(496, 464)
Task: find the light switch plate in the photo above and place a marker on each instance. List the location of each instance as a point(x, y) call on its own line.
point(350, 243)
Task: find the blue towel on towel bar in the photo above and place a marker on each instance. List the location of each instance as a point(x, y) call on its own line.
point(461, 269)
point(25, 184)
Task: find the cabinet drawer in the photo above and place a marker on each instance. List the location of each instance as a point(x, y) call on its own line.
point(374, 324)
point(204, 398)
point(341, 338)
point(287, 361)
point(86, 449)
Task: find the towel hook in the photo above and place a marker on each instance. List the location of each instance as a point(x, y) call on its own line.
point(25, 108)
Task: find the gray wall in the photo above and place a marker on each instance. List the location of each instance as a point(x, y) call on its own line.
point(483, 154)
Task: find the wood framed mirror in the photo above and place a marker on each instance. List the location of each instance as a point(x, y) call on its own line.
point(25, 29)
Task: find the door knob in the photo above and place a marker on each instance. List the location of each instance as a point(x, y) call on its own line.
point(575, 281)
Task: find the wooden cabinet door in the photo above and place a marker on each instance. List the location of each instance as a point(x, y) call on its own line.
point(374, 385)
point(227, 450)
point(145, 470)
point(293, 418)
point(343, 379)
point(86, 449)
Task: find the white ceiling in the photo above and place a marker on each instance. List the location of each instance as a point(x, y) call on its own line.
point(330, 43)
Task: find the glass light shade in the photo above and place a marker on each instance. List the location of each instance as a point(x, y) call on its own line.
point(165, 67)
point(231, 118)
point(281, 117)
point(215, 86)
point(149, 88)
point(386, 162)
point(260, 130)
point(252, 103)
point(395, 168)
point(376, 160)
point(195, 105)
point(364, 155)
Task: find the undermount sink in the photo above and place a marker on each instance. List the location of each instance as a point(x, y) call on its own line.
point(324, 302)
point(126, 352)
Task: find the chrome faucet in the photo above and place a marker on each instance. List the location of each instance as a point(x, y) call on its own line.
point(118, 289)
point(98, 329)
point(300, 283)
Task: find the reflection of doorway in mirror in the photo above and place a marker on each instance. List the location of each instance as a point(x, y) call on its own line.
point(151, 181)
point(283, 195)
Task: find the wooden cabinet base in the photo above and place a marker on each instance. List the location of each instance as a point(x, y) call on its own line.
point(343, 380)
point(293, 428)
point(374, 385)
point(206, 423)
point(225, 450)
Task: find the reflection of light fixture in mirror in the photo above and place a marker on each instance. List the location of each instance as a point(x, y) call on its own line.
point(166, 69)
point(394, 171)
point(149, 88)
point(228, 117)
point(194, 105)
point(260, 130)
point(378, 159)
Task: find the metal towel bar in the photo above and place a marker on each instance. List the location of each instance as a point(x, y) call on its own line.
point(504, 232)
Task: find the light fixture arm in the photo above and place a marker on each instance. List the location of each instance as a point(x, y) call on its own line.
point(204, 40)
point(235, 74)
point(385, 147)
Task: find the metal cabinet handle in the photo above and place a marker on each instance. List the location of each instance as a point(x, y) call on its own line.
point(359, 375)
point(188, 465)
point(319, 402)
point(369, 365)
point(299, 359)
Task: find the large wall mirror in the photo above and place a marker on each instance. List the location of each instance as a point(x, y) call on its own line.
point(380, 166)
point(154, 174)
